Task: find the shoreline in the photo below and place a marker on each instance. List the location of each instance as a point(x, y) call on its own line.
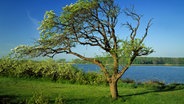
point(138, 64)
point(157, 65)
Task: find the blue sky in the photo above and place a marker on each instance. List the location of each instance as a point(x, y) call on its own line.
point(19, 22)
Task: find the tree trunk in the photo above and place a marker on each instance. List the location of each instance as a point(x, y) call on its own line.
point(113, 88)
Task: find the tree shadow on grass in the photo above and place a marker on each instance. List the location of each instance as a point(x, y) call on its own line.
point(75, 101)
point(8, 99)
point(165, 88)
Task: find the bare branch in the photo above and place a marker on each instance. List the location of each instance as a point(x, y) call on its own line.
point(136, 17)
point(131, 13)
point(146, 30)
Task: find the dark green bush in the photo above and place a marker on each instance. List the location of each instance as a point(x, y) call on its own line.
point(156, 85)
point(174, 86)
point(127, 80)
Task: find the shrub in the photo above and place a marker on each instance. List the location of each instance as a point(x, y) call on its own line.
point(174, 86)
point(38, 98)
point(127, 80)
point(48, 69)
point(154, 85)
point(7, 66)
point(59, 100)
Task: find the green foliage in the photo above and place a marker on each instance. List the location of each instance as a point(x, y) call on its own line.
point(132, 47)
point(74, 9)
point(38, 98)
point(59, 100)
point(154, 85)
point(24, 50)
point(159, 60)
point(48, 69)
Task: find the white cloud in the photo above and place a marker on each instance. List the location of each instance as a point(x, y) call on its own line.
point(35, 24)
point(33, 20)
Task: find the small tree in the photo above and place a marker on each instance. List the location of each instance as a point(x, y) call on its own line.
point(90, 23)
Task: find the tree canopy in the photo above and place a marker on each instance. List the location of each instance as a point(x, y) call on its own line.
point(90, 23)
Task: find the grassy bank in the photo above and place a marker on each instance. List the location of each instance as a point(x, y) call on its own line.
point(16, 90)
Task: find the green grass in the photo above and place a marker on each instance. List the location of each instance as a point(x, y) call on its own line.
point(15, 90)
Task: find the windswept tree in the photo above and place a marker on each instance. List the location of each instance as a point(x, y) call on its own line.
point(90, 23)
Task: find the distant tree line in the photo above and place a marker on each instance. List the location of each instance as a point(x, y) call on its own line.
point(158, 60)
point(142, 60)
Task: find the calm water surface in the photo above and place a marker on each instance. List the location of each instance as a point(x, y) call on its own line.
point(167, 74)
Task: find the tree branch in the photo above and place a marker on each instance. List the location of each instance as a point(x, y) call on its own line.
point(146, 30)
point(93, 60)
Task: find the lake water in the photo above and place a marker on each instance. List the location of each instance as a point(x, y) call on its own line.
point(166, 74)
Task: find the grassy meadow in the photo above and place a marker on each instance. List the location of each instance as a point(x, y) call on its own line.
point(37, 91)
point(49, 82)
